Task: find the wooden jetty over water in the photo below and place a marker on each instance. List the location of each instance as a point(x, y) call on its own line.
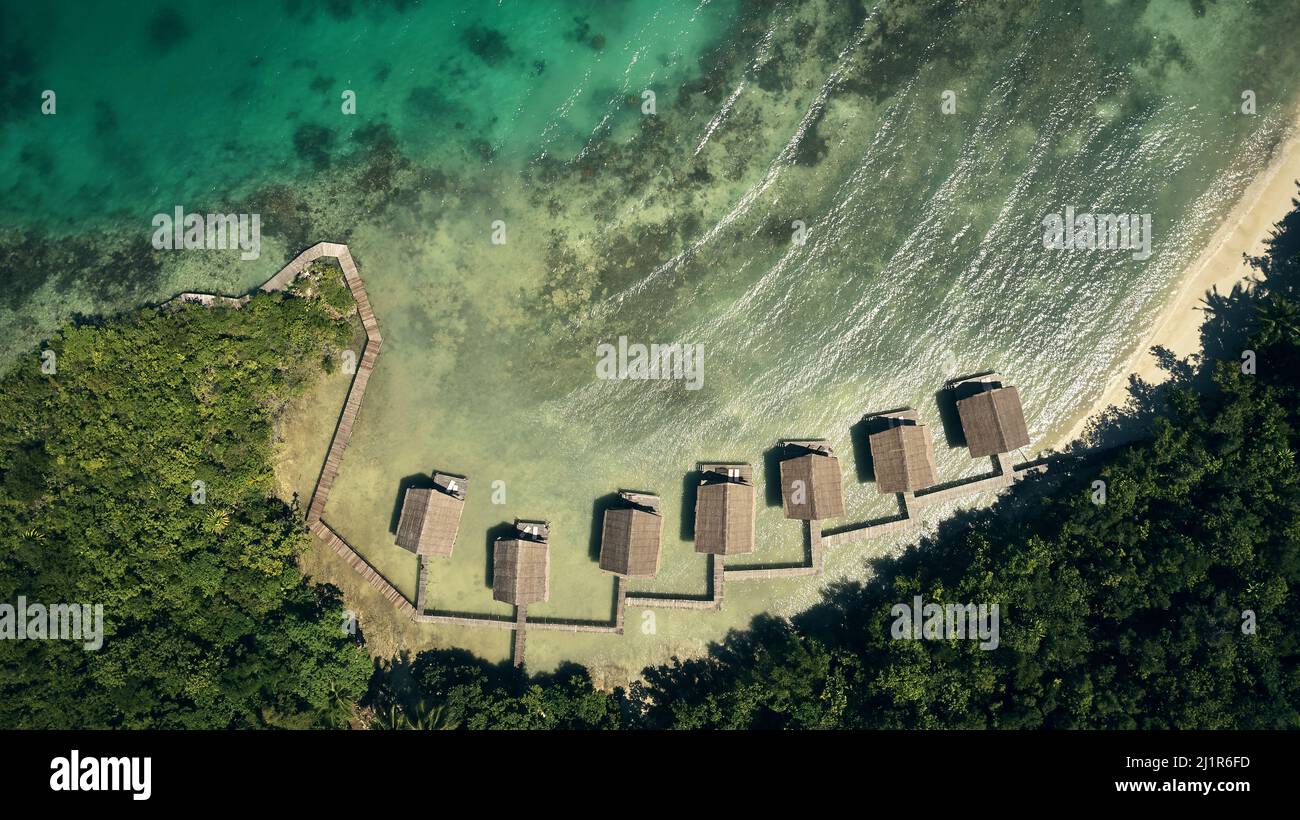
point(992, 421)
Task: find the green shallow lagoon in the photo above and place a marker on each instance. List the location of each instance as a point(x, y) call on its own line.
point(923, 261)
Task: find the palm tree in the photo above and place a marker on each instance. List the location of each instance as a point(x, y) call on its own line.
point(421, 716)
point(428, 717)
point(388, 719)
point(1277, 319)
point(340, 711)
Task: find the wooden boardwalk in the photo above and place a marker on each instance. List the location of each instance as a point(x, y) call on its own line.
point(366, 365)
point(421, 578)
point(812, 567)
point(1006, 475)
point(819, 541)
point(717, 565)
point(521, 633)
point(490, 621)
point(362, 567)
point(351, 407)
point(520, 623)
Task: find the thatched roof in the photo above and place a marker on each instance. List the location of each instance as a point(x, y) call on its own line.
point(521, 565)
point(724, 510)
point(810, 482)
point(629, 541)
point(903, 454)
point(431, 516)
point(993, 421)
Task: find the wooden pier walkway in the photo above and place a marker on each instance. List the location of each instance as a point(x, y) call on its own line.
point(490, 621)
point(1006, 475)
point(813, 529)
point(421, 578)
point(357, 391)
point(362, 567)
point(521, 633)
point(520, 623)
point(717, 566)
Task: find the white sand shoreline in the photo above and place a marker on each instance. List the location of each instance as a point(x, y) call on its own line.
point(1219, 267)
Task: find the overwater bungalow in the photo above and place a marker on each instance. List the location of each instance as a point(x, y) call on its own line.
point(724, 510)
point(521, 565)
point(431, 516)
point(902, 453)
point(810, 481)
point(629, 539)
point(992, 418)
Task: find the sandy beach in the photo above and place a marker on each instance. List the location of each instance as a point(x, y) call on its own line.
point(1220, 267)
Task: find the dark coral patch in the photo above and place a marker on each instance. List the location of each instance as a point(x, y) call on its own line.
point(488, 44)
point(167, 29)
point(312, 143)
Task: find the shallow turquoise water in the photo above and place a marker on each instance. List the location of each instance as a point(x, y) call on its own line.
point(923, 261)
point(159, 104)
